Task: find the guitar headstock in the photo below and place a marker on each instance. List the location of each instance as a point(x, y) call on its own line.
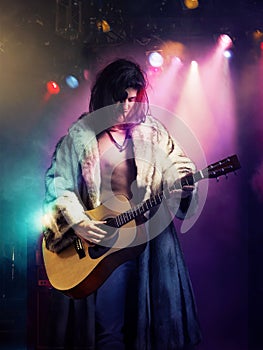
point(223, 167)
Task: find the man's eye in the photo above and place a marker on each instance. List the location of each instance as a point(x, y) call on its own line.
point(132, 99)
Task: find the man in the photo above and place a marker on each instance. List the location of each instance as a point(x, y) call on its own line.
point(119, 148)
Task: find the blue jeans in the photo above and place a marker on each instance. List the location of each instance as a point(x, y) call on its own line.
point(115, 304)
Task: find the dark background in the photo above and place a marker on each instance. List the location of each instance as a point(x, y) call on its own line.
point(223, 250)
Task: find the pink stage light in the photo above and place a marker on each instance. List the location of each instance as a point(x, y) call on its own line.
point(227, 54)
point(176, 61)
point(155, 59)
point(225, 41)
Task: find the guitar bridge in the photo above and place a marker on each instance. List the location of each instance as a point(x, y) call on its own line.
point(79, 248)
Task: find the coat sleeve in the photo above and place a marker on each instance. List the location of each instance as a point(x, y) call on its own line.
point(175, 164)
point(62, 204)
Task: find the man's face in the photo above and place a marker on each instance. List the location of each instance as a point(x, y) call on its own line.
point(126, 106)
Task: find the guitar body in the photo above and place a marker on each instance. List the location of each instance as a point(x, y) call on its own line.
point(78, 277)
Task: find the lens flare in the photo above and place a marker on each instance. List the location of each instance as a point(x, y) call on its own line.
point(155, 59)
point(52, 87)
point(72, 81)
point(225, 41)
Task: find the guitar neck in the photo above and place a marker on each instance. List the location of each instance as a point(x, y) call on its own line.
point(154, 200)
point(223, 167)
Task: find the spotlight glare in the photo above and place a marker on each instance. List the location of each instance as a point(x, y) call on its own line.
point(103, 26)
point(176, 60)
point(191, 4)
point(257, 35)
point(72, 81)
point(155, 59)
point(86, 74)
point(37, 219)
point(225, 41)
point(52, 87)
point(227, 54)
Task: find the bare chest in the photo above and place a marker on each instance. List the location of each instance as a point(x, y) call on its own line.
point(117, 165)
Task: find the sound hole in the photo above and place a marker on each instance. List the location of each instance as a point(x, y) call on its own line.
point(111, 222)
point(99, 250)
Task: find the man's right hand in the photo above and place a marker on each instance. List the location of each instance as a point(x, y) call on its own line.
point(90, 231)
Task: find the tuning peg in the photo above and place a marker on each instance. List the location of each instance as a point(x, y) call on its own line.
point(217, 179)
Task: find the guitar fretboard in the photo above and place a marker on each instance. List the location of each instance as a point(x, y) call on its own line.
point(153, 201)
point(223, 167)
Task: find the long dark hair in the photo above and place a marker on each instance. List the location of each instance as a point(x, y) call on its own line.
point(113, 80)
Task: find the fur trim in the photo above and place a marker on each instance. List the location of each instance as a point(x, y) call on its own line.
point(73, 180)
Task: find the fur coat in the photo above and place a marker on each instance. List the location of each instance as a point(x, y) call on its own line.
point(167, 317)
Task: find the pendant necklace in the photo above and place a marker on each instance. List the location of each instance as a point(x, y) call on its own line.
point(121, 147)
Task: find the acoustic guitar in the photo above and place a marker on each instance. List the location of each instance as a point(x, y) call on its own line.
point(80, 269)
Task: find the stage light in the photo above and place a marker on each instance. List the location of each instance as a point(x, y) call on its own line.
point(86, 74)
point(176, 61)
point(225, 41)
point(72, 81)
point(191, 4)
point(155, 59)
point(194, 64)
point(227, 54)
point(52, 87)
point(258, 38)
point(103, 26)
point(257, 35)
